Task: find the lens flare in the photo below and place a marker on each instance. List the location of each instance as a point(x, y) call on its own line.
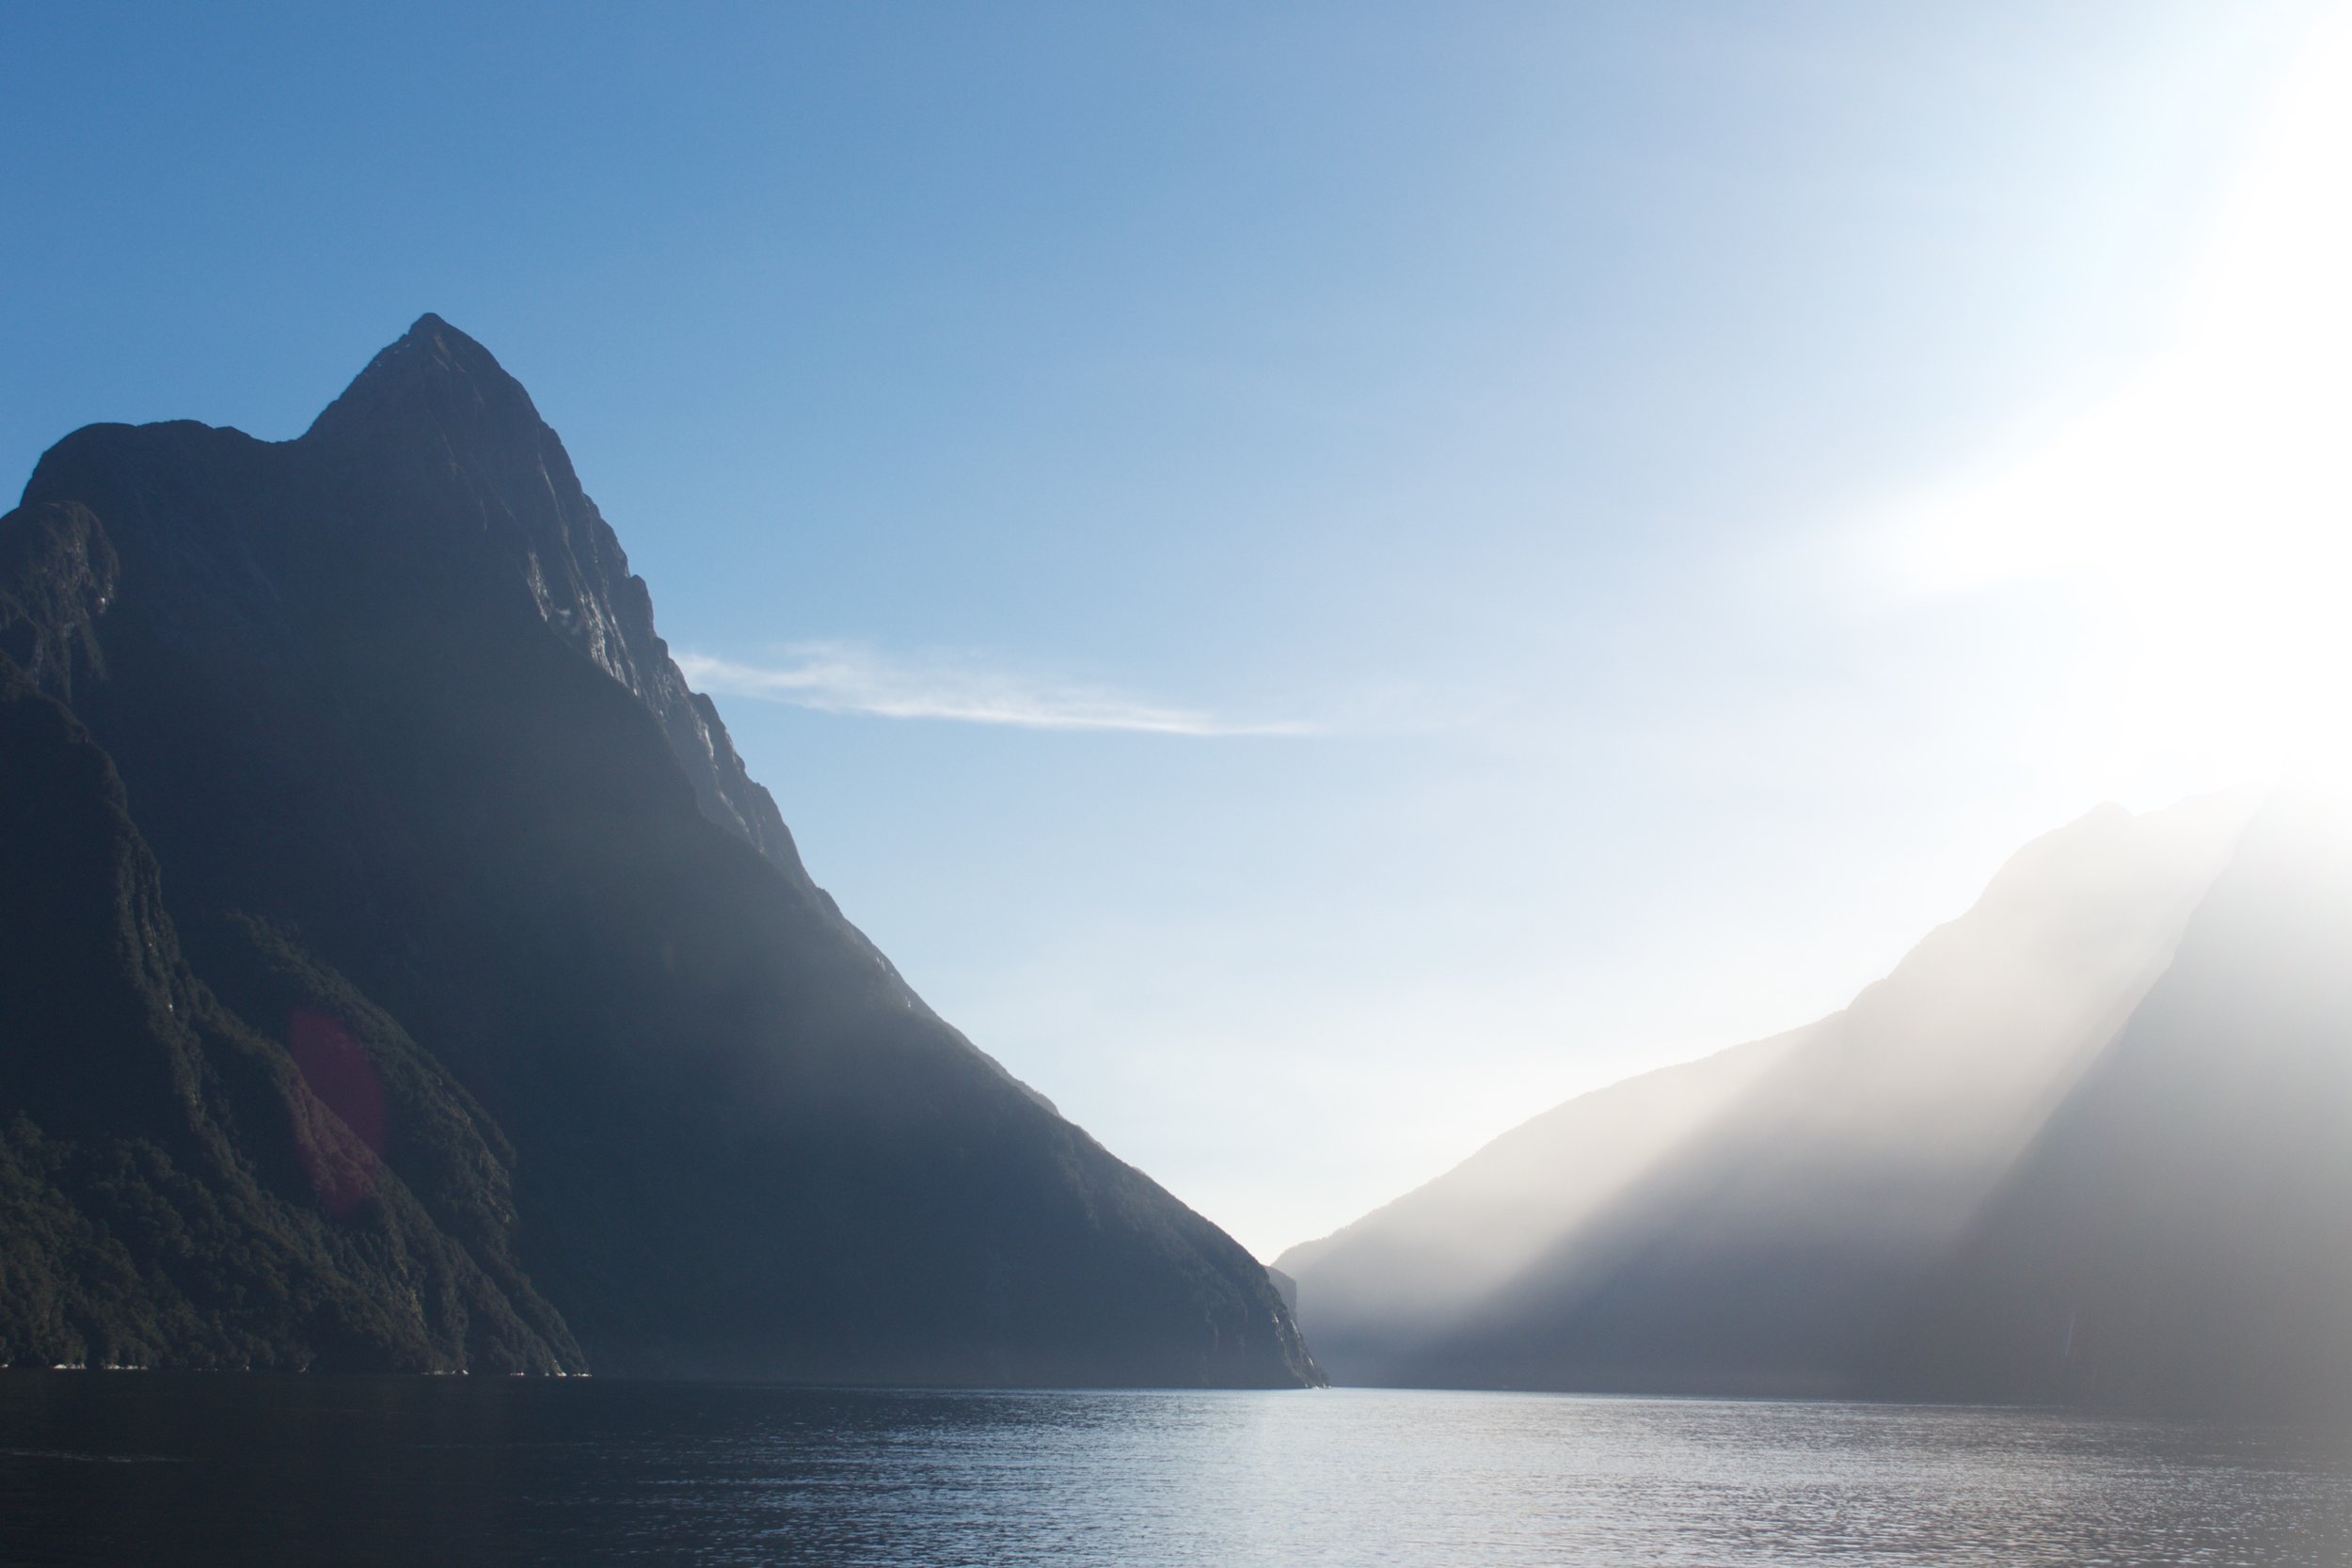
point(342, 1155)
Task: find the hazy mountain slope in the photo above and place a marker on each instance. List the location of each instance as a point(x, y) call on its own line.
point(389, 685)
point(172, 1191)
point(1379, 1290)
point(1747, 1224)
point(2177, 1238)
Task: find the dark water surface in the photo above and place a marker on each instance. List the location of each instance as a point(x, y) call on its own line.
point(148, 1468)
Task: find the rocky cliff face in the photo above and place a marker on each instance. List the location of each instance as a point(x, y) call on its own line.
point(424, 785)
point(436, 398)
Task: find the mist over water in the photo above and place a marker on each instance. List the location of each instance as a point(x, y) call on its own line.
point(96, 1469)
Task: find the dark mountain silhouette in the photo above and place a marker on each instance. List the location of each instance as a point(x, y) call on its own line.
point(1769, 1219)
point(174, 1188)
point(420, 796)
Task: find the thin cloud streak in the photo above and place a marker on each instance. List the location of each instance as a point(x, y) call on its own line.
point(844, 678)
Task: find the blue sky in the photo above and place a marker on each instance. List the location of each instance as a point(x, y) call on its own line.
point(1296, 566)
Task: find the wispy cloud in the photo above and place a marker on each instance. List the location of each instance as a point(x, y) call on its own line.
point(848, 677)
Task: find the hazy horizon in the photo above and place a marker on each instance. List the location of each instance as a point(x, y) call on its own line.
point(1326, 583)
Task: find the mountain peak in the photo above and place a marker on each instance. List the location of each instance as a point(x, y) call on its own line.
point(436, 422)
point(434, 370)
point(435, 338)
point(445, 820)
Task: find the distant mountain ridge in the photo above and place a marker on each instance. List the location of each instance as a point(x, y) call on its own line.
point(471, 891)
point(1925, 1194)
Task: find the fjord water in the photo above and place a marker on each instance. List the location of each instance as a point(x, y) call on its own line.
point(98, 1468)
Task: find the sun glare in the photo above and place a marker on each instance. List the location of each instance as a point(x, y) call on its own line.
point(2201, 518)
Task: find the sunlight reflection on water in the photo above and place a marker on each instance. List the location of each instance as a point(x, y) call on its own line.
point(301, 1469)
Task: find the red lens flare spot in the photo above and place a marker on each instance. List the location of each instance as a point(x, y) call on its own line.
point(342, 1151)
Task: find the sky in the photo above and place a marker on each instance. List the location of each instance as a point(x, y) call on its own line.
point(1321, 577)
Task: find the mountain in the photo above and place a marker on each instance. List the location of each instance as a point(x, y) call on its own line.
point(172, 1189)
point(2175, 1237)
point(412, 829)
point(1756, 1222)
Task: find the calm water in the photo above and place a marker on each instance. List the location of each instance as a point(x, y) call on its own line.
point(130, 1468)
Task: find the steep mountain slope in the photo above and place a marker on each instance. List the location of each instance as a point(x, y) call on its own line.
point(1750, 1223)
point(173, 1188)
point(391, 712)
point(2176, 1236)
